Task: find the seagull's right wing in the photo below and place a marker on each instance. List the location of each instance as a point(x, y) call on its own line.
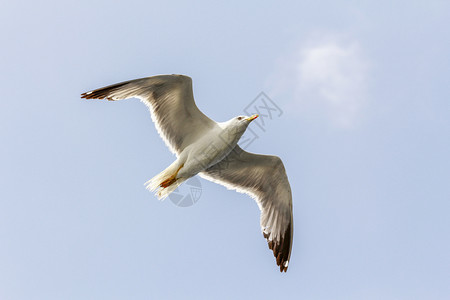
point(264, 178)
point(171, 101)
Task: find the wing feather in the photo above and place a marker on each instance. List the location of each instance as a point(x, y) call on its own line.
point(171, 102)
point(264, 178)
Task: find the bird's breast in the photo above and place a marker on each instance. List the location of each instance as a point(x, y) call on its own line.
point(210, 149)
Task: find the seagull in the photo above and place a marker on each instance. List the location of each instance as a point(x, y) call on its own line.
point(208, 148)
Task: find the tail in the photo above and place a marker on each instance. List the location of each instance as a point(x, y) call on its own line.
point(165, 182)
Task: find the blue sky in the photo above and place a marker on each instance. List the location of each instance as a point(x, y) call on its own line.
point(364, 135)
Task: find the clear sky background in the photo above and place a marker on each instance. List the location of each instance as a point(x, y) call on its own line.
point(365, 138)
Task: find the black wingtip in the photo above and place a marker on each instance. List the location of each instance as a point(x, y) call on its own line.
point(281, 249)
point(89, 95)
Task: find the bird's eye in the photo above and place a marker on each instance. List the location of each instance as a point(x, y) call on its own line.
point(239, 118)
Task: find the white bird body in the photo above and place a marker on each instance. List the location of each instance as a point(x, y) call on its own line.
point(210, 149)
point(215, 144)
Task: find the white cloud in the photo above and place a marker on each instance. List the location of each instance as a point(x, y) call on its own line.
point(327, 77)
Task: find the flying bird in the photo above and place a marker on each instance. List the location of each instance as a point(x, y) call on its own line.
point(208, 148)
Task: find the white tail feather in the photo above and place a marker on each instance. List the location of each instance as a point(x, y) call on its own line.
point(162, 192)
point(154, 184)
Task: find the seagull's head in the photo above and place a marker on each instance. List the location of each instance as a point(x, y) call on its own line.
point(239, 124)
point(242, 121)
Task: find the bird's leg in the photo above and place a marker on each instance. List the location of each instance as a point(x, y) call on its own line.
point(171, 179)
point(168, 182)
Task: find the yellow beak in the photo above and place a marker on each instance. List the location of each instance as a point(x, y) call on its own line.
point(252, 117)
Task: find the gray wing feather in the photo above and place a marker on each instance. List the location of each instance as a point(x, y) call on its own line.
point(171, 102)
point(264, 178)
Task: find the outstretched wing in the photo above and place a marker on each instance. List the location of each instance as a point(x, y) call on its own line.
point(171, 102)
point(264, 178)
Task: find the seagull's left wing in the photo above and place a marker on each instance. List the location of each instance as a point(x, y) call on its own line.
point(171, 101)
point(264, 178)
